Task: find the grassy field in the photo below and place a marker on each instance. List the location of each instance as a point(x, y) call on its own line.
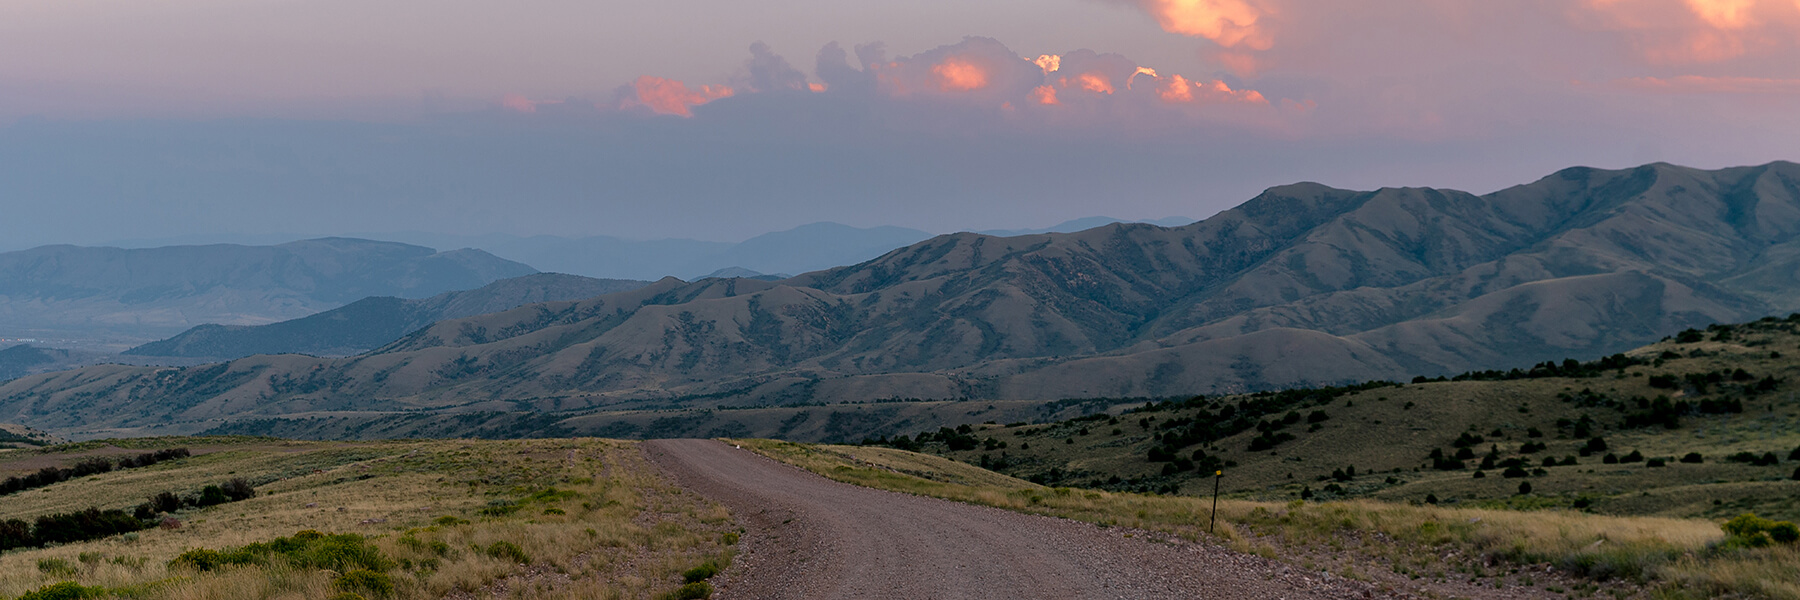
point(563, 518)
point(1598, 555)
point(1388, 433)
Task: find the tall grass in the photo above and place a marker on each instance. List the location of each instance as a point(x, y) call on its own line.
point(612, 527)
point(1675, 558)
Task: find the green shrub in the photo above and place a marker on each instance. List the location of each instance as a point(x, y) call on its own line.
point(56, 567)
point(449, 521)
point(1749, 530)
point(377, 584)
point(67, 590)
point(311, 549)
point(198, 559)
point(1785, 532)
point(212, 495)
point(509, 551)
point(202, 559)
point(307, 549)
point(731, 537)
point(691, 591)
point(705, 571)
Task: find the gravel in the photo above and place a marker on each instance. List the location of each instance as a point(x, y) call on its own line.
point(810, 537)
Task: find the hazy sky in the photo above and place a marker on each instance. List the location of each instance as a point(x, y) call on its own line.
point(722, 119)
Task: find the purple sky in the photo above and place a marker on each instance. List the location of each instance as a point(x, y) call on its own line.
point(720, 120)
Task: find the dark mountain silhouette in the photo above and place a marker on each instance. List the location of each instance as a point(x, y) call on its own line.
point(1304, 284)
point(374, 322)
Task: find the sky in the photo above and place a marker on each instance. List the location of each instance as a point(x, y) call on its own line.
point(720, 120)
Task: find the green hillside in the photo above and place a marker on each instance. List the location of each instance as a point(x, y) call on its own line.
point(565, 518)
point(1705, 424)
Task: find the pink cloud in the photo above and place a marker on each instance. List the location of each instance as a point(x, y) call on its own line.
point(671, 97)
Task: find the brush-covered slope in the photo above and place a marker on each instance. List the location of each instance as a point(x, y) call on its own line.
point(1705, 424)
point(1304, 284)
point(13, 435)
point(162, 291)
point(374, 322)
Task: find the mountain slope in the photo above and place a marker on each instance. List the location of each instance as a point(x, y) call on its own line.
point(1304, 284)
point(161, 291)
point(374, 322)
point(12, 435)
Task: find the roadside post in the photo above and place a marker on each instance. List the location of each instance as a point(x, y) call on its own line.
point(1217, 475)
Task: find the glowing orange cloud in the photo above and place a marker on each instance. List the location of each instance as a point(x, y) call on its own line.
point(1051, 62)
point(1094, 82)
point(1140, 71)
point(817, 87)
point(671, 97)
point(1723, 14)
point(1230, 23)
point(1045, 95)
point(1178, 90)
point(1674, 32)
point(958, 74)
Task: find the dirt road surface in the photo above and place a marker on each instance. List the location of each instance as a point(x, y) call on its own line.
point(810, 537)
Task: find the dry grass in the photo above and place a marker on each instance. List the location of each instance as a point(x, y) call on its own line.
point(622, 531)
point(1675, 558)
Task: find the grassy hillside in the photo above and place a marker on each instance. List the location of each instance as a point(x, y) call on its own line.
point(1430, 551)
point(1706, 424)
point(534, 518)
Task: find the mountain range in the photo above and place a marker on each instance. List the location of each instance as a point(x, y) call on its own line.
point(155, 292)
point(373, 322)
point(804, 248)
point(1304, 284)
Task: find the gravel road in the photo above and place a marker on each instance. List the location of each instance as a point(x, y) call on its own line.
point(810, 537)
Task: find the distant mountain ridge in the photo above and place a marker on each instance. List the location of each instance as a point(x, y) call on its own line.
point(805, 248)
point(1304, 284)
point(376, 321)
point(160, 291)
point(1085, 223)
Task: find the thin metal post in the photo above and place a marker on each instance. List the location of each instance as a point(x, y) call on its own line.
point(1217, 475)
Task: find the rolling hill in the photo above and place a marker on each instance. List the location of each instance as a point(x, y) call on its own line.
point(1705, 424)
point(1305, 284)
point(155, 292)
point(374, 322)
